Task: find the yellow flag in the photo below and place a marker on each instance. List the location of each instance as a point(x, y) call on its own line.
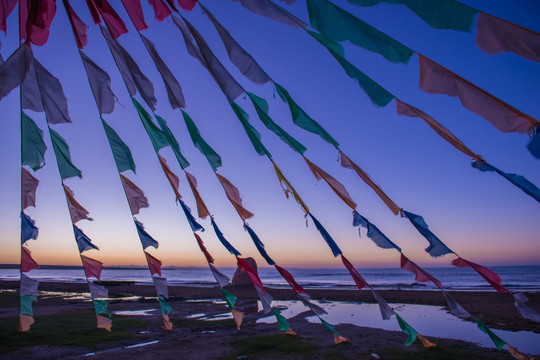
point(288, 188)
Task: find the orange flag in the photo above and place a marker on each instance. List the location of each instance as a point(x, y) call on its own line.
point(103, 322)
point(290, 332)
point(237, 316)
point(92, 267)
point(340, 339)
point(27, 263)
point(167, 324)
point(202, 210)
point(173, 179)
point(518, 354)
point(234, 197)
point(25, 321)
point(76, 210)
point(425, 342)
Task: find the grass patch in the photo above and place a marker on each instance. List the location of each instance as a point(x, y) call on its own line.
point(202, 324)
point(280, 344)
point(66, 329)
point(436, 353)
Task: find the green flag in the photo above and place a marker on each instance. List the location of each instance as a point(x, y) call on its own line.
point(121, 153)
point(172, 142)
point(339, 25)
point(159, 141)
point(499, 343)
point(213, 158)
point(229, 298)
point(303, 120)
point(251, 132)
point(164, 306)
point(33, 146)
point(101, 307)
point(261, 106)
point(407, 329)
point(63, 157)
point(378, 95)
point(282, 323)
point(26, 305)
point(329, 327)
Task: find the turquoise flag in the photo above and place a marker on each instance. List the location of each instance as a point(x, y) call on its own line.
point(407, 329)
point(499, 343)
point(301, 119)
point(63, 156)
point(282, 323)
point(164, 306)
point(159, 141)
point(261, 106)
point(329, 327)
point(121, 153)
point(213, 158)
point(33, 146)
point(251, 132)
point(101, 307)
point(172, 142)
point(26, 305)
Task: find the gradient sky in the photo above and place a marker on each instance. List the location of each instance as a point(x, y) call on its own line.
point(479, 215)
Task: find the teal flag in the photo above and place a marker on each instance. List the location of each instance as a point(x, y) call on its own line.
point(229, 298)
point(164, 306)
point(329, 327)
point(121, 153)
point(261, 106)
point(213, 158)
point(282, 323)
point(251, 132)
point(63, 156)
point(26, 305)
point(172, 142)
point(101, 307)
point(303, 120)
point(159, 141)
point(407, 329)
point(339, 25)
point(439, 14)
point(499, 343)
point(378, 95)
point(33, 146)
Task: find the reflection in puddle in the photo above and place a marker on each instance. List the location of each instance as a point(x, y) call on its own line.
point(146, 312)
point(428, 320)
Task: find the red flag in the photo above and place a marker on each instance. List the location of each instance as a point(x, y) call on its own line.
point(94, 11)
point(35, 18)
point(207, 255)
point(171, 4)
point(77, 25)
point(419, 273)
point(187, 5)
point(6, 7)
point(153, 263)
point(161, 10)
point(244, 265)
point(92, 267)
point(114, 22)
point(287, 276)
point(358, 279)
point(135, 12)
point(491, 277)
point(27, 263)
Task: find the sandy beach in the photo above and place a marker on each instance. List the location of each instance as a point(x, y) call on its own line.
point(63, 312)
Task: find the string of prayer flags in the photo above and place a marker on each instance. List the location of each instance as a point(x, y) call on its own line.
point(272, 11)
point(195, 226)
point(419, 273)
point(14, 70)
point(358, 279)
point(28, 229)
point(326, 236)
point(436, 247)
point(182, 161)
point(146, 239)
point(490, 276)
point(164, 306)
point(153, 264)
point(27, 262)
point(26, 305)
point(35, 19)
point(100, 83)
point(134, 195)
point(25, 321)
point(29, 186)
point(136, 14)
point(224, 241)
point(253, 135)
point(28, 287)
point(83, 242)
point(101, 307)
point(63, 156)
point(78, 27)
point(213, 158)
point(161, 11)
point(114, 22)
point(98, 291)
point(76, 211)
point(234, 197)
point(373, 232)
point(5, 9)
point(103, 322)
point(121, 152)
point(289, 189)
point(259, 245)
point(160, 283)
point(33, 146)
point(202, 210)
point(520, 301)
point(173, 179)
point(92, 267)
point(221, 279)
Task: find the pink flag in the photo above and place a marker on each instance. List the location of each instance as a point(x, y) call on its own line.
point(207, 255)
point(94, 11)
point(287, 276)
point(491, 277)
point(135, 12)
point(244, 265)
point(173, 179)
point(25, 321)
point(77, 25)
point(202, 210)
point(6, 7)
point(419, 273)
point(338, 187)
point(35, 18)
point(76, 210)
point(495, 35)
point(347, 163)
point(135, 196)
point(187, 5)
point(92, 267)
point(103, 322)
point(114, 22)
point(153, 264)
point(435, 79)
point(161, 10)
point(358, 279)
point(29, 186)
point(234, 197)
point(27, 263)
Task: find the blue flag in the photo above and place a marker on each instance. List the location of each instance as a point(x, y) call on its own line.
point(28, 229)
point(436, 247)
point(146, 239)
point(326, 236)
point(195, 226)
point(260, 246)
point(224, 241)
point(83, 242)
point(374, 233)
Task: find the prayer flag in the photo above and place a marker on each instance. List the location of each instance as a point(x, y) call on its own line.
point(266, 299)
point(358, 279)
point(454, 307)
point(6, 7)
point(121, 152)
point(386, 310)
point(157, 137)
point(489, 275)
point(213, 158)
point(517, 354)
point(167, 324)
point(495, 35)
point(251, 132)
point(407, 329)
point(146, 239)
point(419, 273)
point(100, 83)
point(224, 241)
point(25, 322)
point(136, 14)
point(160, 283)
point(118, 54)
point(244, 265)
point(237, 316)
point(101, 307)
point(31, 98)
point(114, 22)
point(76, 211)
point(288, 188)
point(153, 264)
point(340, 339)
point(28, 229)
point(187, 5)
point(103, 322)
point(63, 156)
point(436, 247)
point(499, 343)
point(221, 279)
point(98, 291)
point(164, 306)
point(94, 11)
point(207, 255)
point(373, 232)
point(83, 242)
point(53, 101)
point(92, 267)
point(135, 196)
point(326, 236)
point(33, 146)
point(329, 327)
point(534, 143)
point(29, 186)
point(172, 142)
point(425, 342)
point(35, 18)
point(272, 11)
point(161, 11)
point(229, 298)
point(338, 187)
point(520, 301)
point(306, 300)
point(338, 25)
point(78, 26)
point(173, 179)
point(26, 305)
point(28, 287)
point(292, 282)
point(189, 41)
point(27, 263)
point(195, 226)
point(259, 245)
point(13, 71)
point(234, 197)
point(202, 210)
point(436, 79)
point(301, 119)
point(283, 325)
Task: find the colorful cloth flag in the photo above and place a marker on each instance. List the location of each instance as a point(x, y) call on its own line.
point(83, 242)
point(272, 11)
point(103, 322)
point(244, 265)
point(253, 135)
point(27, 262)
point(289, 189)
point(326, 236)
point(155, 134)
point(160, 283)
point(520, 301)
point(419, 273)
point(161, 11)
point(499, 343)
point(329, 327)
point(189, 41)
point(195, 226)
point(164, 306)
point(266, 299)
point(146, 239)
point(26, 305)
point(92, 267)
point(234, 197)
point(35, 18)
point(6, 7)
point(121, 152)
point(114, 22)
point(436, 247)
point(454, 307)
point(213, 158)
point(426, 342)
point(224, 241)
point(259, 245)
point(29, 186)
point(386, 310)
point(202, 210)
point(98, 291)
point(283, 325)
point(358, 279)
point(63, 156)
point(407, 329)
point(373, 232)
point(28, 229)
point(534, 143)
point(489, 275)
point(167, 324)
point(237, 316)
point(173, 179)
point(172, 142)
point(76, 211)
point(135, 196)
point(221, 279)
point(136, 14)
point(153, 264)
point(28, 287)
point(187, 5)
point(207, 255)
point(101, 307)
point(100, 83)
point(33, 146)
point(229, 298)
point(25, 322)
point(78, 26)
point(290, 279)
point(339, 25)
point(306, 300)
point(14, 70)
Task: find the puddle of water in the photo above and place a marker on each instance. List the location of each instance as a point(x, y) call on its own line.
point(195, 316)
point(428, 320)
point(145, 312)
point(120, 348)
point(218, 317)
